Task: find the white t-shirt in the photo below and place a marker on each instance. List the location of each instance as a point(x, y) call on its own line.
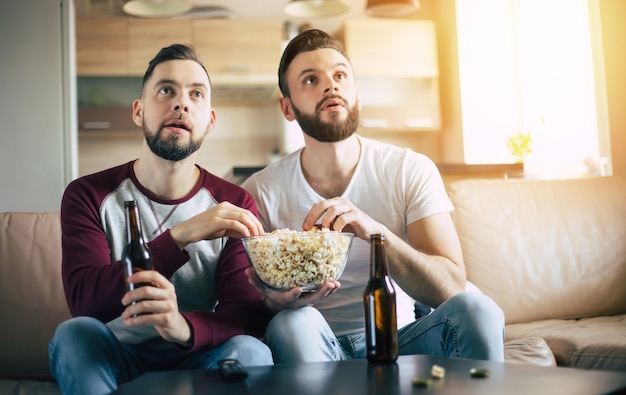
point(395, 186)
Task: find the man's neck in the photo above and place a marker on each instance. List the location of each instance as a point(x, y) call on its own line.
point(329, 167)
point(166, 179)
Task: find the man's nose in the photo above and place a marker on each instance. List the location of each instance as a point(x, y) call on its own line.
point(331, 85)
point(181, 104)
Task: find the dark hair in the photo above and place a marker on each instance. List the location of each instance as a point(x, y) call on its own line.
point(308, 40)
point(173, 52)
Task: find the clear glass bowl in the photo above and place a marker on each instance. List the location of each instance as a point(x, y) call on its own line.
point(306, 259)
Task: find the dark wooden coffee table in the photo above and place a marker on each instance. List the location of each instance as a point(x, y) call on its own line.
point(360, 378)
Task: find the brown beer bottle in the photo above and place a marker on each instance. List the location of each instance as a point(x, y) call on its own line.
point(381, 332)
point(136, 255)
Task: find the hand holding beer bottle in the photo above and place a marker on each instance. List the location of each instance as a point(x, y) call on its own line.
point(136, 255)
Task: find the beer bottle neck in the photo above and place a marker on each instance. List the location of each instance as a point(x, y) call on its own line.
point(133, 225)
point(378, 264)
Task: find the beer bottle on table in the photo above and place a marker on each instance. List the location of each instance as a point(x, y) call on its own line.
point(136, 255)
point(379, 297)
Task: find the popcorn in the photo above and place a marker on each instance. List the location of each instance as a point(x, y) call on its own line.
point(286, 258)
point(437, 372)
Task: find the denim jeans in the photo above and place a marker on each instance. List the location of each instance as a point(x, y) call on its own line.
point(468, 325)
point(86, 357)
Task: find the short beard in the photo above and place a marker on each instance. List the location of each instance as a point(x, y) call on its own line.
point(170, 149)
point(328, 132)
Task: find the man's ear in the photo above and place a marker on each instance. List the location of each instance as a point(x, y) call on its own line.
point(287, 109)
point(137, 112)
point(212, 121)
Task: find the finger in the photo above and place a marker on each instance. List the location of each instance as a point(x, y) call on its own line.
point(247, 218)
point(340, 221)
point(152, 301)
point(334, 212)
point(285, 299)
point(320, 294)
point(140, 294)
point(315, 213)
point(337, 285)
point(240, 223)
point(147, 276)
point(255, 226)
point(328, 288)
point(137, 313)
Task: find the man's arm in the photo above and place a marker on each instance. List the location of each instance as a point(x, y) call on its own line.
point(94, 285)
point(430, 267)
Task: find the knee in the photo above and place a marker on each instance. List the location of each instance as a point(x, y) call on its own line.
point(76, 341)
point(78, 329)
point(75, 334)
point(301, 335)
point(294, 322)
point(249, 350)
point(480, 308)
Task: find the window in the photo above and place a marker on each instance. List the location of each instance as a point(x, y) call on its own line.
point(526, 66)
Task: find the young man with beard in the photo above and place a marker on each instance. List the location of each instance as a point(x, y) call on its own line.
point(200, 305)
point(346, 182)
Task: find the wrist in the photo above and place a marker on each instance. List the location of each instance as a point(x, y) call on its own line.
point(186, 336)
point(176, 234)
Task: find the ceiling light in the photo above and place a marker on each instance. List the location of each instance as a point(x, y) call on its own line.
point(391, 8)
point(156, 8)
point(315, 8)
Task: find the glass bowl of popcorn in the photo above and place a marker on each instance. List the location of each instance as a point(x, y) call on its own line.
point(284, 258)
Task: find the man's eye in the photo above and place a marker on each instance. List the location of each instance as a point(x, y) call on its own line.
point(309, 80)
point(165, 90)
point(198, 94)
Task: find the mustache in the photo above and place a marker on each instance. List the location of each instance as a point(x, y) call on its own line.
point(320, 104)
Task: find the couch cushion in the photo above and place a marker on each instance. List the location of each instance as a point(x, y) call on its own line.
point(31, 291)
point(531, 350)
point(586, 343)
point(545, 248)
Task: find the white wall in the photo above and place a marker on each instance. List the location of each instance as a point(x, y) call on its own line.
point(38, 132)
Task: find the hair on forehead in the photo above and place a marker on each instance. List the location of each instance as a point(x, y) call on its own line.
point(308, 40)
point(173, 52)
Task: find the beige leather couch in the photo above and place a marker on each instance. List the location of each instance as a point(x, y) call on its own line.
point(32, 302)
point(552, 254)
point(547, 252)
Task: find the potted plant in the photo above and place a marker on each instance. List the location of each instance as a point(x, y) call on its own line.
point(520, 146)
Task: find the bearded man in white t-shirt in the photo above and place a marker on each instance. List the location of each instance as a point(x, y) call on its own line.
point(346, 182)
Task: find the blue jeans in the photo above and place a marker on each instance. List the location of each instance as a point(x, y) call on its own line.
point(468, 325)
point(86, 357)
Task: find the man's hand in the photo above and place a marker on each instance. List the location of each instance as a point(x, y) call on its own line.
point(223, 220)
point(340, 214)
point(293, 298)
point(156, 305)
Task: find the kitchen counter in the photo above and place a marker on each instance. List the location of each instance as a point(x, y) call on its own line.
point(239, 174)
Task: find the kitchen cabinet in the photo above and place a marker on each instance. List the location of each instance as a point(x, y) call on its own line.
point(395, 62)
point(240, 46)
point(392, 48)
point(101, 47)
point(147, 36)
point(123, 46)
